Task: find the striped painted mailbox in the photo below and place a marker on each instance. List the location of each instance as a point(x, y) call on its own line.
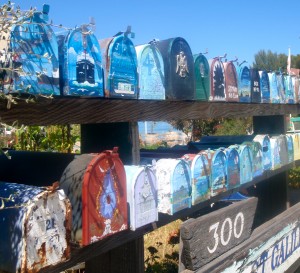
point(290, 90)
point(217, 80)
point(96, 187)
point(218, 172)
point(264, 141)
point(231, 82)
point(34, 53)
point(202, 77)
point(244, 83)
point(80, 63)
point(275, 153)
point(179, 68)
point(200, 176)
point(246, 158)
point(274, 92)
point(174, 185)
point(264, 86)
point(120, 66)
point(255, 86)
point(150, 72)
point(35, 227)
point(281, 88)
point(232, 167)
point(141, 195)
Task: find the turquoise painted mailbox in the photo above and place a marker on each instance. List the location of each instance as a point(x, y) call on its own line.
point(264, 141)
point(289, 90)
point(244, 83)
point(246, 159)
point(274, 92)
point(275, 153)
point(264, 86)
point(219, 181)
point(281, 87)
point(232, 167)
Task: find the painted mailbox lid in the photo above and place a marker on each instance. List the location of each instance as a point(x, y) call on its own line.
point(231, 82)
point(217, 80)
point(246, 159)
point(218, 172)
point(296, 143)
point(281, 88)
point(290, 90)
point(173, 184)
point(283, 149)
point(255, 86)
point(290, 148)
point(275, 153)
point(151, 72)
point(200, 176)
point(264, 86)
point(232, 167)
point(35, 49)
point(179, 68)
point(96, 187)
point(202, 77)
point(244, 82)
point(81, 63)
point(264, 141)
point(35, 227)
point(257, 158)
point(120, 67)
point(141, 195)
point(274, 92)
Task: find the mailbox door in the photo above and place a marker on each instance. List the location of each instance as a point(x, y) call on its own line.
point(264, 86)
point(231, 82)
point(202, 77)
point(217, 81)
point(255, 86)
point(290, 90)
point(274, 92)
point(258, 167)
point(233, 168)
point(275, 153)
point(264, 141)
point(244, 83)
point(218, 173)
point(245, 163)
point(281, 88)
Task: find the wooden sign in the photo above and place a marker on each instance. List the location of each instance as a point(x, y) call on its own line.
point(207, 237)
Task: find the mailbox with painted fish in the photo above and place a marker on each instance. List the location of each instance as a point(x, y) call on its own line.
point(96, 187)
point(244, 83)
point(274, 92)
point(34, 52)
point(35, 227)
point(217, 80)
point(174, 185)
point(264, 141)
point(275, 153)
point(141, 195)
point(231, 82)
point(281, 87)
point(264, 86)
point(255, 86)
point(232, 167)
point(150, 72)
point(289, 90)
point(120, 66)
point(218, 172)
point(202, 77)
point(200, 176)
point(246, 158)
point(179, 68)
point(80, 63)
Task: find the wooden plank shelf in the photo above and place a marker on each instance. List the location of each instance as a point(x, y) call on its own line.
point(70, 110)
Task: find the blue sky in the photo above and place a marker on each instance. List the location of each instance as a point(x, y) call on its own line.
point(238, 28)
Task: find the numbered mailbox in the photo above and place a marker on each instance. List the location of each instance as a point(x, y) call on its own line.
point(174, 185)
point(80, 63)
point(246, 158)
point(296, 86)
point(244, 83)
point(218, 172)
point(255, 86)
point(232, 167)
point(281, 88)
point(217, 80)
point(141, 195)
point(264, 141)
point(35, 227)
point(264, 86)
point(200, 176)
point(231, 82)
point(96, 187)
point(274, 91)
point(120, 67)
point(150, 72)
point(290, 147)
point(296, 144)
point(275, 153)
point(290, 90)
point(179, 68)
point(202, 75)
point(33, 55)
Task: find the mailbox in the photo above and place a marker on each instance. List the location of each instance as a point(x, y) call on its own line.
point(141, 195)
point(274, 93)
point(257, 158)
point(231, 82)
point(202, 77)
point(173, 184)
point(281, 88)
point(290, 147)
point(35, 227)
point(264, 141)
point(80, 63)
point(283, 149)
point(120, 67)
point(151, 72)
point(232, 167)
point(264, 86)
point(96, 187)
point(179, 68)
point(290, 90)
point(296, 144)
point(217, 80)
point(275, 153)
point(296, 86)
point(219, 181)
point(246, 158)
point(255, 86)
point(244, 83)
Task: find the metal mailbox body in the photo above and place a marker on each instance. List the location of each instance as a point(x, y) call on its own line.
point(290, 147)
point(231, 82)
point(274, 92)
point(141, 195)
point(173, 185)
point(96, 187)
point(244, 83)
point(246, 158)
point(80, 63)
point(200, 176)
point(232, 167)
point(290, 90)
point(202, 77)
point(219, 181)
point(283, 149)
point(296, 144)
point(120, 67)
point(150, 67)
point(35, 54)
point(255, 86)
point(281, 88)
point(257, 159)
point(264, 141)
point(296, 84)
point(217, 80)
point(35, 227)
point(275, 153)
point(264, 86)
point(179, 68)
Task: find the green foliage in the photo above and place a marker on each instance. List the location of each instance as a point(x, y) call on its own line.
point(269, 61)
point(294, 178)
point(234, 126)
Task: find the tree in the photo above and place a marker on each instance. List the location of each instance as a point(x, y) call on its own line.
point(269, 61)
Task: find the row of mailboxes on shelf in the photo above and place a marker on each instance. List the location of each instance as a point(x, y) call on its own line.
point(76, 63)
point(38, 223)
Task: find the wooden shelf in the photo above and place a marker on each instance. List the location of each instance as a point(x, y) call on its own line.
point(70, 110)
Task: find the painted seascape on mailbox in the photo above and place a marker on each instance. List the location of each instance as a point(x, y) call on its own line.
point(264, 86)
point(290, 90)
point(245, 163)
point(281, 87)
point(264, 141)
point(274, 92)
point(202, 77)
point(233, 167)
point(81, 64)
point(244, 82)
point(218, 172)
